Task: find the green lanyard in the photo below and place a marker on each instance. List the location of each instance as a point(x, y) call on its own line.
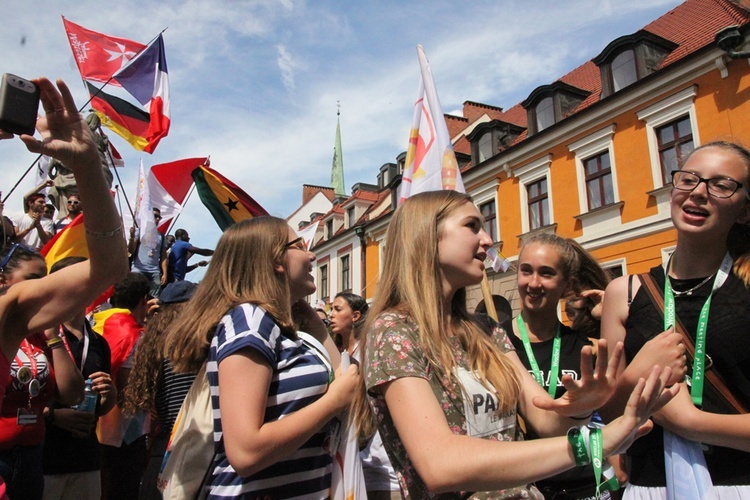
point(554, 369)
point(670, 319)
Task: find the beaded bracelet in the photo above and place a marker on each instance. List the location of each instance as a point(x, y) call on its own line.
point(104, 234)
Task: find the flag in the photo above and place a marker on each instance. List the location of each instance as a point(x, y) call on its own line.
point(149, 236)
point(499, 262)
point(114, 158)
point(126, 120)
point(99, 56)
point(169, 185)
point(308, 234)
point(430, 160)
point(69, 242)
point(146, 78)
point(223, 198)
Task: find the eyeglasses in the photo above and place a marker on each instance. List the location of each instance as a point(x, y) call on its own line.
point(297, 243)
point(72, 202)
point(719, 187)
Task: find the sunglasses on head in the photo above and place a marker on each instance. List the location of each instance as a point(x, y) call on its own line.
point(12, 250)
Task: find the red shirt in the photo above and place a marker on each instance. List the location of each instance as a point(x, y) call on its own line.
point(34, 355)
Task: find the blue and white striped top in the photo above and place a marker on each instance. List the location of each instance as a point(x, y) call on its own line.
point(299, 378)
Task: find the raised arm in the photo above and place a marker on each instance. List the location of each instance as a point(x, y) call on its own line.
point(450, 462)
point(33, 306)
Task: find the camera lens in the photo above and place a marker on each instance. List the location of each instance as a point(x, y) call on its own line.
point(21, 84)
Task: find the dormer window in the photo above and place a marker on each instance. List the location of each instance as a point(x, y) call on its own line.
point(329, 228)
point(549, 104)
point(485, 147)
point(545, 114)
point(631, 58)
point(489, 138)
point(623, 70)
point(350, 215)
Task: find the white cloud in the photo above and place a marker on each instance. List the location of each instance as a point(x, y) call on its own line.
point(286, 67)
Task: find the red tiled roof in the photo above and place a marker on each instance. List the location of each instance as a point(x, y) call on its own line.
point(362, 194)
point(694, 24)
point(455, 124)
point(462, 145)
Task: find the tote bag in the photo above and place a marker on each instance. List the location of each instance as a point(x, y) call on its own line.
point(189, 456)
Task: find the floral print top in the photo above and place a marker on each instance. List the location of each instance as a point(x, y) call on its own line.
point(392, 352)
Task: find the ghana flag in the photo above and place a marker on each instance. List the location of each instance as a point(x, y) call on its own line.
point(223, 198)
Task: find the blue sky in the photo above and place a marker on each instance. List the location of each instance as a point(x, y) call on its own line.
point(254, 84)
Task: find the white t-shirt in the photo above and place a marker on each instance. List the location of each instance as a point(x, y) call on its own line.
point(32, 239)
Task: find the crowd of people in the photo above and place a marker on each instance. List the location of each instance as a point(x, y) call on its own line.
point(446, 403)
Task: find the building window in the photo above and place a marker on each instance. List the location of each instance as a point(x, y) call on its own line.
point(599, 181)
point(485, 147)
point(623, 70)
point(350, 215)
point(490, 218)
point(329, 228)
point(346, 283)
point(660, 119)
point(675, 142)
point(538, 204)
point(545, 114)
point(323, 280)
point(630, 58)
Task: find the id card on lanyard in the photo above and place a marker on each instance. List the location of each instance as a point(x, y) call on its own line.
point(670, 319)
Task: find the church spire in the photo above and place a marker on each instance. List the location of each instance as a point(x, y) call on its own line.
point(337, 170)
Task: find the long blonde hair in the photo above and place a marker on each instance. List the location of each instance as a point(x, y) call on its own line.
point(241, 271)
point(411, 284)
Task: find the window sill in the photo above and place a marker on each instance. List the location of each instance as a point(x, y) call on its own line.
point(601, 220)
point(548, 229)
point(661, 195)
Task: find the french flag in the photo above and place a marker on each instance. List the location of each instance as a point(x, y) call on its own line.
point(146, 78)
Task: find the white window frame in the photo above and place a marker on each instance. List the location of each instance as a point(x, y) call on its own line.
point(528, 174)
point(660, 113)
point(621, 263)
point(488, 192)
point(592, 145)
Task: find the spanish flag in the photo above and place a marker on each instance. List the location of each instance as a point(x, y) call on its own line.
point(69, 242)
point(223, 198)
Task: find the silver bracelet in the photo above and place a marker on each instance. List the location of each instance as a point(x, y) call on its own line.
point(104, 234)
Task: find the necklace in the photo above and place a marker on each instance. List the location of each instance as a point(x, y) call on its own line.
point(690, 290)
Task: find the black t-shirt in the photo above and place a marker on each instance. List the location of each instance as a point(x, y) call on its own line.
point(571, 343)
point(728, 345)
point(64, 453)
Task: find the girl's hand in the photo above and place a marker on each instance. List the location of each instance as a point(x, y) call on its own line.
point(595, 387)
point(677, 416)
point(344, 386)
point(101, 382)
point(666, 349)
point(594, 302)
point(65, 134)
point(78, 423)
point(648, 397)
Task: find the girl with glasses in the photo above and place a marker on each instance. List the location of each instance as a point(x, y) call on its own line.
point(701, 291)
point(446, 387)
point(274, 393)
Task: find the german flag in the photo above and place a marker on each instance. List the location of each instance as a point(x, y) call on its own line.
point(223, 198)
point(126, 120)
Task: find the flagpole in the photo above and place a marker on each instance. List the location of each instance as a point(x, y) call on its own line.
point(173, 221)
point(117, 174)
point(22, 177)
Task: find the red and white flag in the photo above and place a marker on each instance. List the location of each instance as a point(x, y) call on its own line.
point(99, 56)
point(430, 160)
